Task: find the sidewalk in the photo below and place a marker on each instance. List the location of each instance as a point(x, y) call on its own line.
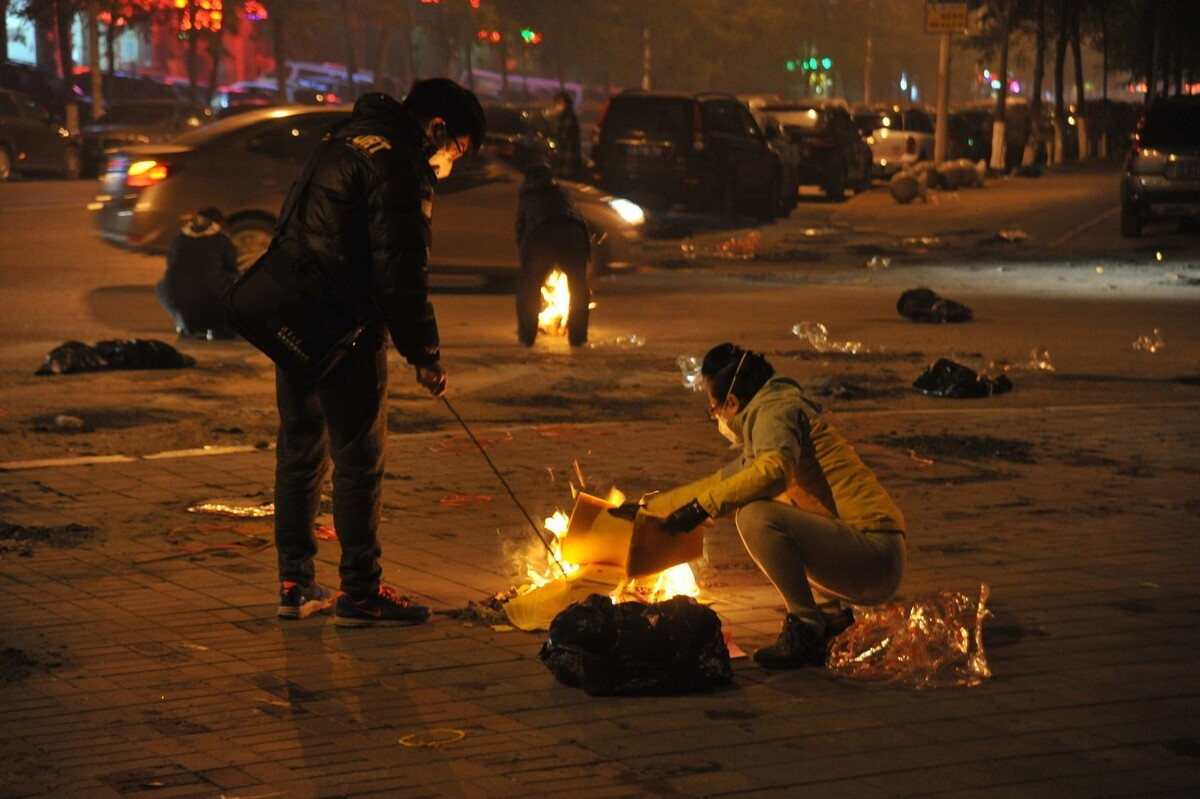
point(128, 672)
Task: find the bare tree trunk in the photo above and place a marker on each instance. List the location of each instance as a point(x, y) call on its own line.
point(214, 51)
point(4, 40)
point(1060, 58)
point(110, 46)
point(93, 30)
point(1103, 151)
point(351, 55)
point(998, 160)
point(1029, 157)
point(279, 47)
point(1080, 99)
point(64, 17)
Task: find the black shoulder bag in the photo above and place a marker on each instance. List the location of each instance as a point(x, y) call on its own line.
point(288, 307)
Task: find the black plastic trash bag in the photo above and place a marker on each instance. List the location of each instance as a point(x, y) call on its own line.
point(949, 379)
point(75, 356)
point(70, 357)
point(631, 648)
point(141, 353)
point(925, 305)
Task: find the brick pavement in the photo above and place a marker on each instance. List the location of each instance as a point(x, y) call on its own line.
point(147, 675)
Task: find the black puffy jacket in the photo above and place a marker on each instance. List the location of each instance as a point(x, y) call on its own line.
point(367, 217)
point(540, 201)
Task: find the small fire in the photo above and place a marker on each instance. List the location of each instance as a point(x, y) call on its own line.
point(675, 581)
point(556, 304)
point(543, 575)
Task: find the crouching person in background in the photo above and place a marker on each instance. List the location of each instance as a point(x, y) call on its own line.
point(551, 234)
point(201, 266)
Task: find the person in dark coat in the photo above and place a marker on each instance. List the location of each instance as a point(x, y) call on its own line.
point(201, 265)
point(566, 136)
point(551, 234)
point(366, 218)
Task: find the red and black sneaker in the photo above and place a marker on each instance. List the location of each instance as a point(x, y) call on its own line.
point(298, 601)
point(383, 609)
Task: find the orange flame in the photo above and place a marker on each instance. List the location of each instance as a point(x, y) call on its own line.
point(556, 304)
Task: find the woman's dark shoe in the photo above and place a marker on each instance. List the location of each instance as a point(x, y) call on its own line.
point(798, 646)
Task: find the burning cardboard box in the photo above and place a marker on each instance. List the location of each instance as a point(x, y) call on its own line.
point(598, 553)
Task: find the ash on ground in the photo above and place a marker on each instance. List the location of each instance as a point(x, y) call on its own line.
point(972, 448)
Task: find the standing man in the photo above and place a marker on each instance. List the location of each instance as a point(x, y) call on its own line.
point(566, 134)
point(367, 219)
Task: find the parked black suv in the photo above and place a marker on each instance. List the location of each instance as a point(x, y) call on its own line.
point(1162, 171)
point(703, 151)
point(832, 154)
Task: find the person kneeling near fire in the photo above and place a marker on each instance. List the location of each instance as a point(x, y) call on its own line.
point(809, 512)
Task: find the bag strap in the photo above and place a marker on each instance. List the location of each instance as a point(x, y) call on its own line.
point(300, 187)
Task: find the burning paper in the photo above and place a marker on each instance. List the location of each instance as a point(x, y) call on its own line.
point(556, 304)
point(932, 642)
point(596, 552)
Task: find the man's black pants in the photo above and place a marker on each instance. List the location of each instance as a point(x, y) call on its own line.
point(344, 417)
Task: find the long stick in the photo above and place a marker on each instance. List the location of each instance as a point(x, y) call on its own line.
point(536, 530)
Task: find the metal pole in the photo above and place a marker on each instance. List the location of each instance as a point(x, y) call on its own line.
point(646, 59)
point(943, 100)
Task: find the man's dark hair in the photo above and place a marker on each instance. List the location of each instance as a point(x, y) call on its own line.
point(721, 365)
point(442, 97)
point(212, 213)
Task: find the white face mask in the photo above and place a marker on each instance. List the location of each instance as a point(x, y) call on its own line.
point(442, 163)
point(730, 434)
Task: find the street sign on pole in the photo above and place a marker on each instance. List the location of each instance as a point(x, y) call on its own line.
point(945, 17)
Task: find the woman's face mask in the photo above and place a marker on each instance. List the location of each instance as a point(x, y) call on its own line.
point(443, 158)
point(731, 435)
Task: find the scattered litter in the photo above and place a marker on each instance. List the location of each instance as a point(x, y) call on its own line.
point(925, 305)
point(1039, 361)
point(907, 186)
point(1151, 343)
point(489, 612)
point(689, 367)
point(936, 641)
point(878, 262)
point(61, 537)
point(438, 736)
point(817, 335)
point(1012, 235)
point(949, 379)
point(324, 532)
point(189, 539)
point(457, 443)
point(193, 646)
point(735, 651)
point(503, 628)
point(816, 232)
point(631, 648)
point(922, 241)
point(67, 421)
point(237, 507)
point(462, 500)
point(736, 248)
point(632, 341)
point(75, 356)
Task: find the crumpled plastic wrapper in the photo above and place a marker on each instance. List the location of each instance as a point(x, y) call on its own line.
point(931, 642)
point(1151, 343)
point(817, 335)
point(1039, 361)
point(632, 341)
point(689, 368)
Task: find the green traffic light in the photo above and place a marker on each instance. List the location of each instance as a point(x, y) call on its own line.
point(826, 63)
point(812, 63)
point(791, 66)
point(527, 34)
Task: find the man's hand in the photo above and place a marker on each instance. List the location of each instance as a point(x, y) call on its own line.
point(432, 378)
point(627, 510)
point(684, 519)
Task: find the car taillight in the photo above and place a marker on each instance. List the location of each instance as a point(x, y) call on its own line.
point(697, 129)
point(146, 173)
point(910, 145)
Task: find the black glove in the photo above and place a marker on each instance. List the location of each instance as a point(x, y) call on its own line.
point(685, 518)
point(626, 510)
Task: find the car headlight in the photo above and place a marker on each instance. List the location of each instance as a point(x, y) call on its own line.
point(1148, 161)
point(630, 212)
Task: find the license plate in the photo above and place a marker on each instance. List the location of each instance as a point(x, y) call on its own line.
point(1190, 170)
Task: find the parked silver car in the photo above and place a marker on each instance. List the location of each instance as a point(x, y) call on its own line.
point(1161, 179)
point(245, 165)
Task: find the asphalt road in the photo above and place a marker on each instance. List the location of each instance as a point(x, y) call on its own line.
point(1068, 283)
